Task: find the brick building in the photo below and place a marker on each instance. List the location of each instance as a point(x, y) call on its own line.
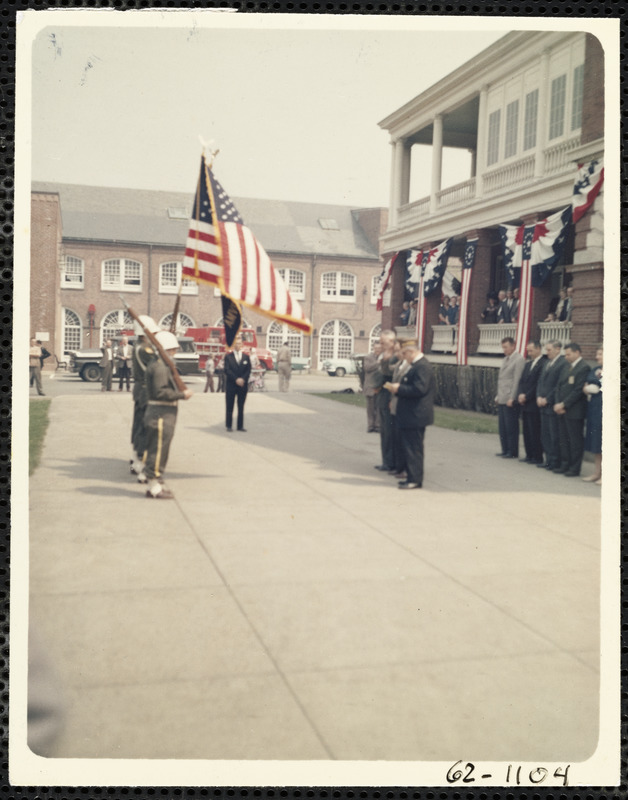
point(529, 109)
point(91, 244)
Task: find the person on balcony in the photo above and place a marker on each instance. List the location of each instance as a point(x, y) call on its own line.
point(404, 317)
point(413, 312)
point(453, 312)
point(443, 311)
point(515, 309)
point(507, 308)
point(561, 307)
point(489, 315)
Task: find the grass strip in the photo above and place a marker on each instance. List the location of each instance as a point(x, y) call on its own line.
point(37, 427)
point(454, 419)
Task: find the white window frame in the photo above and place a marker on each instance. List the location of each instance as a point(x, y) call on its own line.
point(577, 97)
point(336, 290)
point(530, 120)
point(278, 333)
point(74, 327)
point(294, 280)
point(375, 286)
point(336, 340)
point(182, 319)
point(557, 107)
point(123, 322)
point(126, 267)
point(374, 335)
point(511, 129)
point(73, 278)
point(172, 284)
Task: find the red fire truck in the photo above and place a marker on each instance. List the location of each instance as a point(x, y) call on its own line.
point(212, 340)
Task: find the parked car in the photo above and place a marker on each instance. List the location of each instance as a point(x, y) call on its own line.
point(87, 362)
point(339, 366)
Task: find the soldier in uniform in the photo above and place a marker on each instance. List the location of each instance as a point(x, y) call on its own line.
point(143, 354)
point(160, 417)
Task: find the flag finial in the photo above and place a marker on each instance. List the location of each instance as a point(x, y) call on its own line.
point(209, 148)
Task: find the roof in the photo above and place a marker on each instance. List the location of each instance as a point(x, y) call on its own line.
point(105, 214)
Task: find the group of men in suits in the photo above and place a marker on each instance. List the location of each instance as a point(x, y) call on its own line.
point(400, 380)
point(547, 391)
point(123, 355)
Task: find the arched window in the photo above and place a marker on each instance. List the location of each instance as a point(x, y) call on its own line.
point(295, 281)
point(121, 274)
point(170, 278)
point(72, 333)
point(279, 333)
point(374, 336)
point(335, 340)
point(183, 322)
point(376, 282)
point(114, 323)
point(338, 287)
point(72, 273)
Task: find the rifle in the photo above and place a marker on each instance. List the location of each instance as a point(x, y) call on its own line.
point(162, 353)
point(175, 315)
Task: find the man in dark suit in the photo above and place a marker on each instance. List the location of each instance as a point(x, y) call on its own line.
point(237, 372)
point(415, 410)
point(571, 407)
point(124, 356)
point(106, 364)
point(545, 399)
point(526, 397)
point(507, 308)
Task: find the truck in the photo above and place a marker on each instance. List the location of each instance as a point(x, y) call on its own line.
point(212, 340)
point(86, 362)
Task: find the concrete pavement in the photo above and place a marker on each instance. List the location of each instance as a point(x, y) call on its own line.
point(291, 603)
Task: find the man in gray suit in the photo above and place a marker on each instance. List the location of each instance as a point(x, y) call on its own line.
point(545, 394)
point(106, 363)
point(370, 388)
point(507, 409)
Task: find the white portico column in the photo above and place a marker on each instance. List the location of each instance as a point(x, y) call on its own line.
point(541, 122)
point(399, 180)
point(437, 160)
point(480, 165)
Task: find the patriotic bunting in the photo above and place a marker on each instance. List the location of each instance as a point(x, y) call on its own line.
point(586, 187)
point(467, 268)
point(384, 280)
point(223, 252)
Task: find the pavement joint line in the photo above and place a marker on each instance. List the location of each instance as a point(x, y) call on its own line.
point(297, 700)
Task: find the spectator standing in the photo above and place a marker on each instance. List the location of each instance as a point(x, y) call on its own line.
point(106, 364)
point(571, 407)
point(507, 410)
point(561, 306)
point(514, 313)
point(399, 370)
point(505, 312)
point(124, 356)
point(545, 399)
point(220, 373)
point(209, 372)
point(569, 304)
point(415, 411)
point(371, 388)
point(34, 366)
point(284, 367)
point(413, 312)
point(593, 438)
point(530, 412)
point(237, 372)
point(443, 311)
point(386, 363)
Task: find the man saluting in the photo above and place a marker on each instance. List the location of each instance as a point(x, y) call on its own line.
point(160, 417)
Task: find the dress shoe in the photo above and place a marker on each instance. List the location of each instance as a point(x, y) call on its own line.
point(559, 470)
point(401, 474)
point(525, 460)
point(165, 494)
point(409, 485)
point(229, 430)
point(242, 430)
point(500, 455)
point(536, 462)
point(382, 468)
point(507, 455)
point(543, 466)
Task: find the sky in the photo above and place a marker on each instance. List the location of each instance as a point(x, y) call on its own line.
point(293, 110)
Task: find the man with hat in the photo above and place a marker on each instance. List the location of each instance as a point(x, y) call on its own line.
point(415, 410)
point(160, 417)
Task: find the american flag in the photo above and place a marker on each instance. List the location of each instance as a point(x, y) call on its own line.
point(222, 251)
point(467, 270)
point(526, 291)
point(384, 280)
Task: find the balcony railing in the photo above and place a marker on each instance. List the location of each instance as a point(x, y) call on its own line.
point(444, 338)
point(556, 158)
point(491, 336)
point(555, 331)
point(415, 210)
point(454, 195)
point(513, 174)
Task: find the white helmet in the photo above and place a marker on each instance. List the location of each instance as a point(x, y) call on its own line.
point(148, 322)
point(167, 340)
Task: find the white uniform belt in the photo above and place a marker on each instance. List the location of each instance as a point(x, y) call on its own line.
point(162, 402)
